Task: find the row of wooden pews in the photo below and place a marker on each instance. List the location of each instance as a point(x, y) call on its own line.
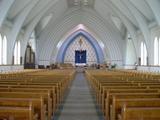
point(126, 95)
point(33, 94)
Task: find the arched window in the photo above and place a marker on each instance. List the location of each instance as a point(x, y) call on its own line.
point(156, 51)
point(17, 53)
point(3, 50)
point(0, 49)
point(143, 54)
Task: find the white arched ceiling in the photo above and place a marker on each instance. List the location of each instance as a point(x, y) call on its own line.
point(154, 4)
point(19, 5)
point(142, 22)
point(136, 15)
point(116, 12)
point(144, 9)
point(41, 6)
point(54, 32)
point(123, 8)
point(4, 8)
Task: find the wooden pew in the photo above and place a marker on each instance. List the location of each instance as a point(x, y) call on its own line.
point(109, 102)
point(117, 104)
point(37, 83)
point(31, 95)
point(17, 113)
point(111, 91)
point(37, 103)
point(139, 113)
point(60, 85)
point(33, 90)
point(102, 93)
point(56, 90)
point(124, 84)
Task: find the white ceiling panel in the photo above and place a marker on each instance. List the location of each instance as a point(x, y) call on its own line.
point(17, 7)
point(143, 7)
point(86, 3)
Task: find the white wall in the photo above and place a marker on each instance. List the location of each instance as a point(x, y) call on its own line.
point(142, 68)
point(130, 58)
point(149, 69)
point(6, 68)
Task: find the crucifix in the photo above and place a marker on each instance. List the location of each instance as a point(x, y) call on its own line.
point(80, 56)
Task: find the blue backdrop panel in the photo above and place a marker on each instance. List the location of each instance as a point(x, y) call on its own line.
point(80, 56)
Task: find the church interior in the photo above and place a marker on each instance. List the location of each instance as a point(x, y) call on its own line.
point(79, 60)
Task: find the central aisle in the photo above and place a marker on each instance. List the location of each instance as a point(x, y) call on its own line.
point(79, 104)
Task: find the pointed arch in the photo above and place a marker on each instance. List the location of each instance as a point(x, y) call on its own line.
point(88, 37)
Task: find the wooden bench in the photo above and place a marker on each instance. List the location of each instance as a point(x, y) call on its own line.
point(111, 91)
point(33, 90)
point(127, 96)
point(121, 84)
point(117, 104)
point(139, 113)
point(102, 93)
point(31, 95)
point(17, 113)
point(50, 85)
point(37, 104)
point(55, 89)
